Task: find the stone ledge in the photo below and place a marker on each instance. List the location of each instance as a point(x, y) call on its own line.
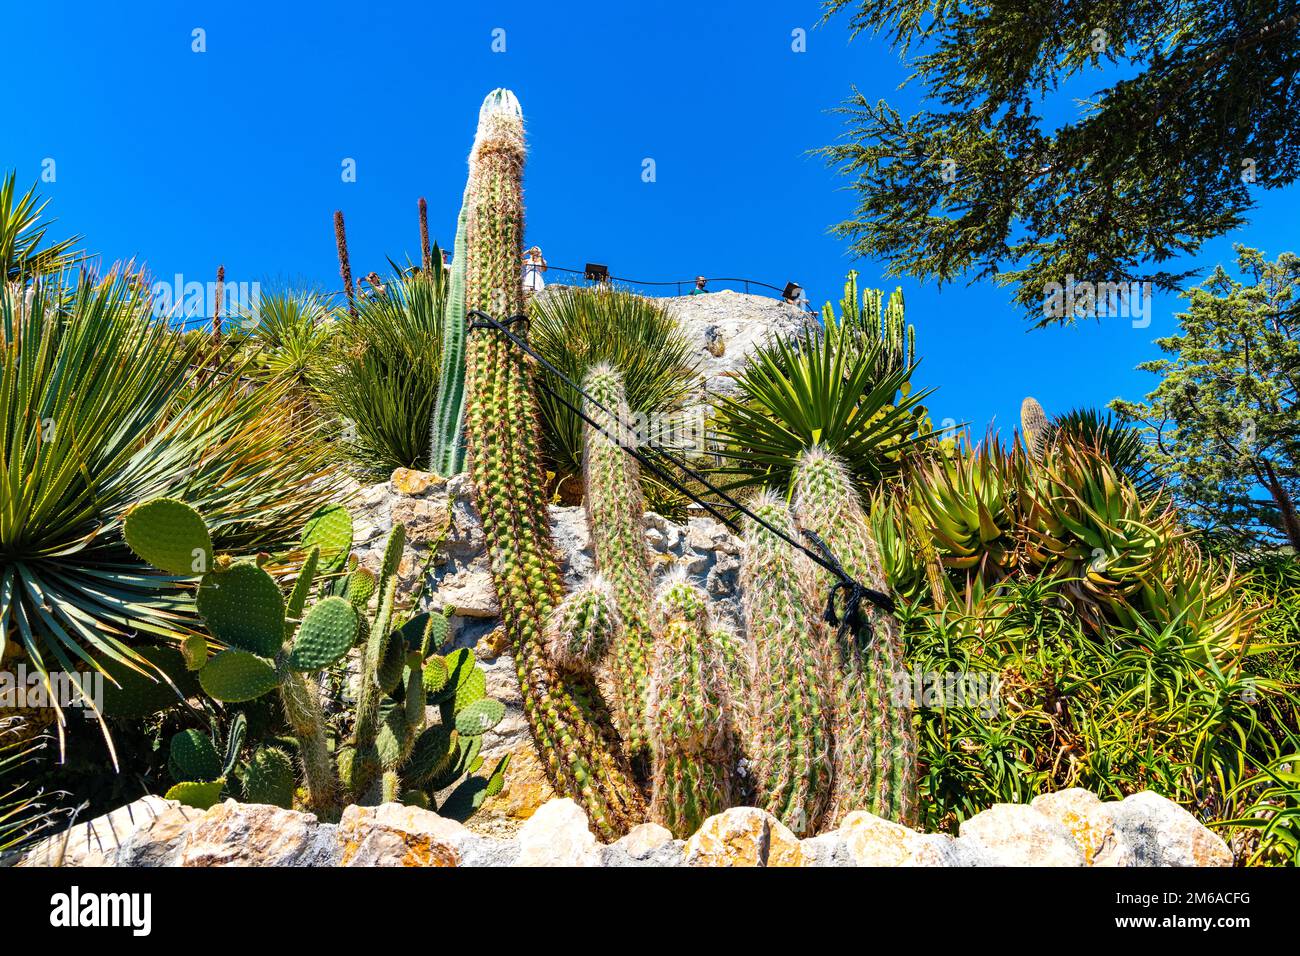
point(1069, 828)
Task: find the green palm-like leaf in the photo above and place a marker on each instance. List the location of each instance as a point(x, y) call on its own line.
point(575, 329)
point(101, 407)
point(817, 390)
point(21, 254)
point(379, 378)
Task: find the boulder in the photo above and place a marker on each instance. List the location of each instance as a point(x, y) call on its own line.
point(557, 835)
point(1014, 834)
point(744, 836)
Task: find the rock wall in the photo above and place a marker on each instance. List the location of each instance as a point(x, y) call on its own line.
point(1070, 828)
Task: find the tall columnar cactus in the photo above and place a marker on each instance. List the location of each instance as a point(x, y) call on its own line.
point(504, 442)
point(448, 440)
point(615, 510)
point(1037, 430)
point(875, 746)
point(792, 708)
point(692, 724)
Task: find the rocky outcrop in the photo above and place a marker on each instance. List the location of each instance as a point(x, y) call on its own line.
point(1071, 828)
point(725, 326)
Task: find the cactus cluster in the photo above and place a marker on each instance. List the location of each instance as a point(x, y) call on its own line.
point(687, 708)
point(273, 644)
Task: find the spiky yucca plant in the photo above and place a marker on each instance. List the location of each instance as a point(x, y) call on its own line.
point(817, 390)
point(378, 378)
point(99, 408)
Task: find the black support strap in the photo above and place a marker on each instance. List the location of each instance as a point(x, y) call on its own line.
point(852, 619)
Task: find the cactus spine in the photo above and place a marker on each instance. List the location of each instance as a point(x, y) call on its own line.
point(615, 507)
point(505, 466)
point(791, 719)
point(1033, 422)
point(692, 729)
point(448, 442)
point(875, 748)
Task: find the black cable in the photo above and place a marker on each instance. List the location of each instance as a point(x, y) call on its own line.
point(854, 591)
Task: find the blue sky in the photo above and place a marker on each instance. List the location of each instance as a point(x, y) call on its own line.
point(186, 160)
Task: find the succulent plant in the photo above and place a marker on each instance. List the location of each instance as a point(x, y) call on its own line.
point(276, 645)
point(875, 746)
point(615, 507)
point(793, 705)
point(693, 732)
point(563, 710)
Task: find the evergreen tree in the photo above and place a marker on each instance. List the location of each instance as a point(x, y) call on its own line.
point(1224, 422)
point(1199, 111)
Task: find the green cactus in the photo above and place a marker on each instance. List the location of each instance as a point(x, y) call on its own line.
point(875, 745)
point(269, 778)
point(791, 739)
point(448, 442)
point(192, 756)
point(563, 710)
point(692, 728)
point(582, 629)
point(615, 508)
point(278, 645)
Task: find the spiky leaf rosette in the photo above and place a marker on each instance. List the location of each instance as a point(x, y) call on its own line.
point(692, 730)
point(791, 707)
point(505, 464)
point(615, 513)
point(875, 747)
point(581, 630)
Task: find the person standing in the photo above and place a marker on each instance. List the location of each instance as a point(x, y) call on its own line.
point(534, 266)
point(699, 289)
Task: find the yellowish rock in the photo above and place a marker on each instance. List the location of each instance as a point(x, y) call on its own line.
point(396, 835)
point(526, 789)
point(251, 834)
point(1083, 814)
point(408, 481)
point(744, 836)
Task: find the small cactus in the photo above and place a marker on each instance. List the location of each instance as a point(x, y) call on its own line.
point(692, 729)
point(1036, 428)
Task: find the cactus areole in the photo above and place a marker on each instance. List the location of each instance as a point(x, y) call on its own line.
point(504, 444)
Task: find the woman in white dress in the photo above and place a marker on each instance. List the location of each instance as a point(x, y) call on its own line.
point(534, 266)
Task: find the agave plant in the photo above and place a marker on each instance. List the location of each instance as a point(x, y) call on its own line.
point(99, 408)
point(576, 329)
point(21, 254)
point(379, 376)
point(965, 504)
point(818, 390)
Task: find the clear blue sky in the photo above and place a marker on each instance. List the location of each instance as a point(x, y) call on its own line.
point(187, 160)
